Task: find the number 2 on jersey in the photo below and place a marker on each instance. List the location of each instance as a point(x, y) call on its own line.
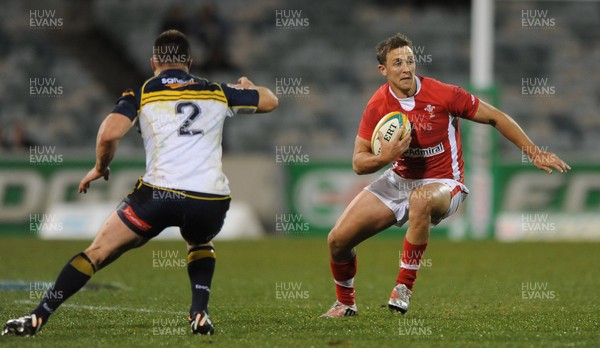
point(184, 129)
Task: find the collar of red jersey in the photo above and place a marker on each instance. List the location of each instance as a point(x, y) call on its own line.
point(417, 79)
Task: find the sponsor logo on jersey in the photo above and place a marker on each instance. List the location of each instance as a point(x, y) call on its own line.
point(428, 152)
point(173, 82)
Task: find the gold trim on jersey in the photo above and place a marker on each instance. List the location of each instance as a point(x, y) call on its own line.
point(167, 95)
point(245, 106)
point(181, 193)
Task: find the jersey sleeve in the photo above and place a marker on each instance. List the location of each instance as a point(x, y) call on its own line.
point(241, 100)
point(462, 103)
point(128, 104)
point(368, 122)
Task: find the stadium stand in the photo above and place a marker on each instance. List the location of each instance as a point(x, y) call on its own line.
point(333, 56)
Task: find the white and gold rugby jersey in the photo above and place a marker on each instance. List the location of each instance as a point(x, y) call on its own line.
point(181, 121)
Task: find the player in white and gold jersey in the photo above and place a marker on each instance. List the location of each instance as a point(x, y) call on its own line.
point(181, 121)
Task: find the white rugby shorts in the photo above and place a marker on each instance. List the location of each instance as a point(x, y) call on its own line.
point(394, 191)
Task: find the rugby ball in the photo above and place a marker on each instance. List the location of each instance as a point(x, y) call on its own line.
point(389, 125)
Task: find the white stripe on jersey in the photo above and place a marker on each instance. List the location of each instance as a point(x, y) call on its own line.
point(453, 148)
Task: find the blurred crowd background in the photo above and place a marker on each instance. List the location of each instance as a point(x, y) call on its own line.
point(103, 48)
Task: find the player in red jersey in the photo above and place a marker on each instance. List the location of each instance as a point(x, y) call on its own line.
point(425, 183)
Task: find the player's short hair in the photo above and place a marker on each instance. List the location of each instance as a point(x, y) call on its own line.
point(391, 43)
point(171, 47)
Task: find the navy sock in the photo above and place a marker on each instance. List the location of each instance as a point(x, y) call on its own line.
point(78, 270)
point(201, 267)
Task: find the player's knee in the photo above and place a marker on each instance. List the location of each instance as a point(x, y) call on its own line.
point(421, 201)
point(334, 242)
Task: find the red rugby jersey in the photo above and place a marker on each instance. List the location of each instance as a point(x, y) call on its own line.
point(435, 150)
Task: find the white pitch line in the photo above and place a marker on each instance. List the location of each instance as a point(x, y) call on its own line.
point(106, 308)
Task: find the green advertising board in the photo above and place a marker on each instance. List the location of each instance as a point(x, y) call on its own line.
point(533, 205)
point(31, 184)
point(316, 193)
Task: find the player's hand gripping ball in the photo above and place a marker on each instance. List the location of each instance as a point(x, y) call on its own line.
point(389, 125)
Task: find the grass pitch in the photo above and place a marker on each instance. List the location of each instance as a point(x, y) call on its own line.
point(269, 293)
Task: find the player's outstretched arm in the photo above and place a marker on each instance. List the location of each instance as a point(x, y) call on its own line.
point(545, 161)
point(267, 100)
point(365, 162)
point(112, 129)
